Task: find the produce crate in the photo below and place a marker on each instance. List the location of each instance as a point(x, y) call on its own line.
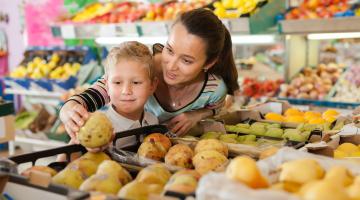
point(81, 54)
point(75, 148)
point(19, 187)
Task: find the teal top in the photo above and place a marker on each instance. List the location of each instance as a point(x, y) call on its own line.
point(212, 96)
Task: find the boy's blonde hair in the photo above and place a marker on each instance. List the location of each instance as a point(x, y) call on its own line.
point(131, 50)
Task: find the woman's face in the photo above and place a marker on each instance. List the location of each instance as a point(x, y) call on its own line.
point(184, 56)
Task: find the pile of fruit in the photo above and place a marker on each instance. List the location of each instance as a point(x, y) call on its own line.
point(313, 9)
point(294, 115)
point(347, 150)
point(234, 8)
point(169, 11)
point(49, 66)
point(208, 154)
point(305, 178)
point(300, 134)
point(348, 87)
point(312, 83)
point(132, 11)
point(252, 87)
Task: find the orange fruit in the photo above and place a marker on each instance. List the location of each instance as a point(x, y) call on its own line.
point(274, 117)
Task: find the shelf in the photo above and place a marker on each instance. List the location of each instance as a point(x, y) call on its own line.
point(321, 103)
point(37, 97)
point(34, 93)
point(259, 22)
point(333, 25)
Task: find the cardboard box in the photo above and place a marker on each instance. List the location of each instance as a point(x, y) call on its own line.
point(7, 121)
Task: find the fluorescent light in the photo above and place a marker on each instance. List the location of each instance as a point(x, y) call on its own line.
point(329, 36)
point(118, 40)
point(253, 39)
point(236, 39)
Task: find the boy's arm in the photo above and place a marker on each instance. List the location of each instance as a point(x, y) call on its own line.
point(94, 97)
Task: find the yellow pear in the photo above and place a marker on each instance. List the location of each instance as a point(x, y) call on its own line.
point(139, 191)
point(113, 168)
point(245, 170)
point(210, 160)
point(301, 171)
point(96, 132)
point(211, 144)
point(153, 150)
point(339, 175)
point(105, 183)
point(286, 186)
point(86, 166)
point(154, 174)
point(96, 157)
point(323, 189)
point(184, 183)
point(179, 155)
point(69, 177)
point(354, 189)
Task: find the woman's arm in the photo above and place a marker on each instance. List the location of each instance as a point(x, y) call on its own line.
point(182, 123)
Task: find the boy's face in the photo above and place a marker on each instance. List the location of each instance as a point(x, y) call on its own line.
point(129, 86)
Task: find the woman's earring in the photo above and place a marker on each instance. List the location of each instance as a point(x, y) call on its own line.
point(205, 70)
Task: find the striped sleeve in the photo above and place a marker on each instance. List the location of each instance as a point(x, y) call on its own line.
point(94, 97)
point(218, 90)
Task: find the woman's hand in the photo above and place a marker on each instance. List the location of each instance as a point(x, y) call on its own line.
point(182, 123)
point(74, 116)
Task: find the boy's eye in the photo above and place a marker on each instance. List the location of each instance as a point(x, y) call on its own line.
point(187, 61)
point(137, 82)
point(169, 50)
point(117, 82)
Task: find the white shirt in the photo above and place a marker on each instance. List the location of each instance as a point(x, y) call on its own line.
point(121, 123)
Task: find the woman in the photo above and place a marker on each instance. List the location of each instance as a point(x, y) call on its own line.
point(196, 70)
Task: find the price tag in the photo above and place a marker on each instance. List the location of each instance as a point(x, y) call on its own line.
point(126, 29)
point(107, 30)
point(154, 29)
point(68, 31)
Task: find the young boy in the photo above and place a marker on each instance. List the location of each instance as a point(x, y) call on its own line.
point(130, 80)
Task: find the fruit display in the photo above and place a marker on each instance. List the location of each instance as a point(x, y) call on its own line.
point(57, 65)
point(300, 134)
point(252, 87)
point(347, 150)
point(121, 12)
point(92, 11)
point(305, 178)
point(132, 11)
point(314, 9)
point(312, 83)
point(348, 87)
point(294, 115)
point(169, 11)
point(234, 8)
point(208, 154)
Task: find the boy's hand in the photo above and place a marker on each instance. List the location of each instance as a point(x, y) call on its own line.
point(74, 116)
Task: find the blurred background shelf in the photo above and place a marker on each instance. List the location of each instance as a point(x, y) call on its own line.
point(331, 25)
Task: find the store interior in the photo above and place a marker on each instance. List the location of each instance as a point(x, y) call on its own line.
point(291, 131)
